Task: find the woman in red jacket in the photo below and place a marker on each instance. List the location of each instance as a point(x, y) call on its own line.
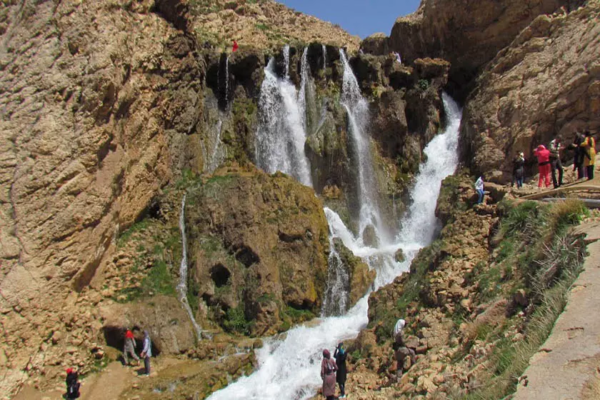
point(543, 156)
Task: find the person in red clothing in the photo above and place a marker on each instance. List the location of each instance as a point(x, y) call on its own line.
point(543, 156)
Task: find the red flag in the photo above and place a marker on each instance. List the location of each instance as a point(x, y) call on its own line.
point(235, 46)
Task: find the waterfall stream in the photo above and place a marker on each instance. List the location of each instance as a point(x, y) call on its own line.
point(281, 134)
point(182, 287)
point(290, 368)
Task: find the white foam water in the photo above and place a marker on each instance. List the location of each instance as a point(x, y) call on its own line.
point(290, 368)
point(281, 135)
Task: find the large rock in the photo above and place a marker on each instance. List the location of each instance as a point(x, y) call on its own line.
point(546, 84)
point(468, 33)
point(258, 246)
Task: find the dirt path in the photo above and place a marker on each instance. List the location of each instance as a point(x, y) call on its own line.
point(108, 384)
point(567, 365)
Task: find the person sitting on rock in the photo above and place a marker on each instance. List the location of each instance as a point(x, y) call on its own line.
point(402, 351)
point(328, 369)
point(73, 385)
point(340, 361)
point(147, 352)
point(543, 156)
point(519, 170)
point(129, 348)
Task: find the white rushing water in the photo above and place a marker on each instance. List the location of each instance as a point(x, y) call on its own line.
point(182, 287)
point(357, 109)
point(290, 368)
point(227, 80)
point(303, 92)
point(281, 134)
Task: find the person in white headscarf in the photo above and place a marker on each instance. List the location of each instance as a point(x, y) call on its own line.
point(401, 350)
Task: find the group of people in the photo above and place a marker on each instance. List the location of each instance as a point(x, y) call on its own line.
point(549, 160)
point(550, 164)
point(129, 350)
point(334, 371)
point(72, 380)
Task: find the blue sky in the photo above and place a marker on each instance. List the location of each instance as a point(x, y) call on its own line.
point(359, 17)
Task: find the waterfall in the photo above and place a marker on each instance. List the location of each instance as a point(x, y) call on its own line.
point(302, 94)
point(286, 60)
point(217, 155)
point(357, 109)
point(182, 287)
point(289, 368)
point(324, 60)
point(335, 300)
point(281, 135)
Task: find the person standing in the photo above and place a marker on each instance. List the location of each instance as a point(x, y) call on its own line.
point(555, 163)
point(147, 352)
point(479, 189)
point(518, 170)
point(543, 156)
point(402, 351)
point(340, 361)
point(578, 157)
point(129, 348)
point(589, 154)
point(73, 385)
point(328, 369)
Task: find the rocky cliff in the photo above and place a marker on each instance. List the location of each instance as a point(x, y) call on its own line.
point(467, 33)
point(546, 84)
point(110, 111)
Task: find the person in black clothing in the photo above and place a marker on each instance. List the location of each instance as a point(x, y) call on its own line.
point(340, 360)
point(579, 155)
point(555, 163)
point(72, 385)
point(518, 170)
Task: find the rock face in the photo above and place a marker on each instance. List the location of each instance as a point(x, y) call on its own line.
point(468, 33)
point(262, 24)
point(258, 245)
point(546, 84)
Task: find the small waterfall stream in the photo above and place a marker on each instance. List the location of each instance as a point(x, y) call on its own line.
point(289, 368)
point(182, 287)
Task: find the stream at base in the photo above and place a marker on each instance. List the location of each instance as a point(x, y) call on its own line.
point(290, 368)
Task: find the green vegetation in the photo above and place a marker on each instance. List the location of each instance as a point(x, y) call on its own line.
point(547, 258)
point(235, 321)
point(423, 84)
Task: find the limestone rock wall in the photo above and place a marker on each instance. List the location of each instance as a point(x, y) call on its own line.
point(467, 33)
point(546, 84)
point(258, 245)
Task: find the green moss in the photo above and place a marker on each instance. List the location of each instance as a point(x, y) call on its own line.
point(138, 227)
point(236, 322)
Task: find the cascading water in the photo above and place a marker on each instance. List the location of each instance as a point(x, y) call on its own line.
point(182, 287)
point(324, 60)
point(286, 60)
point(289, 369)
point(335, 300)
point(281, 136)
point(302, 94)
point(357, 109)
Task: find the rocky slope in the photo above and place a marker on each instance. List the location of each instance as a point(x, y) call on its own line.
point(546, 84)
point(263, 24)
point(478, 302)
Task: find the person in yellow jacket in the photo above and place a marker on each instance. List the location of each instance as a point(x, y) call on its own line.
point(589, 151)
